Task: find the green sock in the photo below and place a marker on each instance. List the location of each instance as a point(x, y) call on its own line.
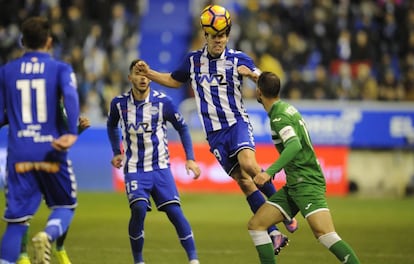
point(344, 253)
point(266, 254)
point(25, 239)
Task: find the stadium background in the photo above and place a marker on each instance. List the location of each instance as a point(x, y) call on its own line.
point(348, 65)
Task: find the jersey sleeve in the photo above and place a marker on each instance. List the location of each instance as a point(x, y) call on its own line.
point(244, 59)
point(70, 97)
point(177, 120)
point(3, 119)
point(282, 125)
point(112, 128)
point(182, 73)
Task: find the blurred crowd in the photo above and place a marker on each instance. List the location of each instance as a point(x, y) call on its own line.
point(321, 49)
point(327, 49)
point(98, 38)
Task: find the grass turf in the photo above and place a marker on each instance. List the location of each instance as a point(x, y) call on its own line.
point(381, 231)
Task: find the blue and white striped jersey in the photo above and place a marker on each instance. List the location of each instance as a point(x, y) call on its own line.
point(217, 86)
point(31, 90)
point(144, 130)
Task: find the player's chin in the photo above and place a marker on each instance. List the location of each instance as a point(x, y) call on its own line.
point(217, 51)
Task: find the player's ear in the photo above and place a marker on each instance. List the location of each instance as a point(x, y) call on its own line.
point(21, 41)
point(49, 42)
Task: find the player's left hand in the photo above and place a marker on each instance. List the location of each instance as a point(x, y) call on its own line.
point(84, 122)
point(261, 178)
point(245, 71)
point(64, 142)
point(191, 165)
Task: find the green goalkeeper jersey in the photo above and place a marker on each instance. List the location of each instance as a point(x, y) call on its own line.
point(288, 126)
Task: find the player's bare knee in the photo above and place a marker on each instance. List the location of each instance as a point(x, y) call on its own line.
point(246, 185)
point(252, 224)
point(255, 223)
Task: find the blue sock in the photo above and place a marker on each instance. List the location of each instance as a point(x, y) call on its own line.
point(58, 222)
point(183, 228)
point(268, 189)
point(11, 241)
point(255, 200)
point(136, 229)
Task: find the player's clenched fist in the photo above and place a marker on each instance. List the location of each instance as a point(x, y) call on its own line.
point(117, 161)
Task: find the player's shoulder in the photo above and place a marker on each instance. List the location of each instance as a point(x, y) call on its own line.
point(11, 64)
point(157, 95)
point(62, 64)
point(237, 53)
point(281, 110)
point(195, 53)
point(121, 97)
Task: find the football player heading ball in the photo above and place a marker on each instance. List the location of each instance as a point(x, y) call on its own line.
point(216, 74)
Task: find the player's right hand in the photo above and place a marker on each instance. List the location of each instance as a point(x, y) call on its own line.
point(191, 165)
point(261, 178)
point(142, 67)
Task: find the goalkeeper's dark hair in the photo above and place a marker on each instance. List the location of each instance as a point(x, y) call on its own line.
point(269, 84)
point(131, 66)
point(35, 32)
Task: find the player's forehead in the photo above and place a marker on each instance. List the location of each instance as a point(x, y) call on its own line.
point(218, 35)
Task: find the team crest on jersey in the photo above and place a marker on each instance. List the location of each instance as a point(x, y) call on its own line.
point(154, 110)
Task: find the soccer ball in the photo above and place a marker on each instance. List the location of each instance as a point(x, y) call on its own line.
point(215, 19)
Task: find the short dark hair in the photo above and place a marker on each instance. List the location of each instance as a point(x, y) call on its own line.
point(226, 30)
point(269, 84)
point(35, 31)
point(131, 66)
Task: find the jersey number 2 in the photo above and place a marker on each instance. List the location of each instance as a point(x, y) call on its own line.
point(25, 87)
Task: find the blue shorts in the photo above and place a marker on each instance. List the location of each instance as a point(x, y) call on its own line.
point(158, 184)
point(25, 190)
point(226, 143)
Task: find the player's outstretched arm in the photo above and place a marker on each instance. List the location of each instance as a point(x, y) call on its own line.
point(164, 79)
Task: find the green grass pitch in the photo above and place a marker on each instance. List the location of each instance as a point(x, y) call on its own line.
point(381, 230)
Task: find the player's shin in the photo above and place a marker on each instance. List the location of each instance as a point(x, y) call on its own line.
point(11, 242)
point(263, 246)
point(255, 200)
point(183, 229)
point(339, 248)
point(136, 229)
point(58, 222)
